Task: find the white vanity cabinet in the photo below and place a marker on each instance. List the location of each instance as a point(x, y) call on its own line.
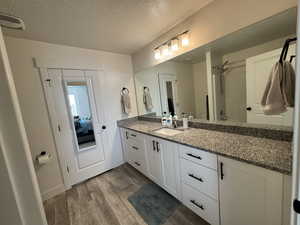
point(134, 150)
point(249, 194)
point(163, 164)
point(199, 178)
point(220, 190)
point(154, 159)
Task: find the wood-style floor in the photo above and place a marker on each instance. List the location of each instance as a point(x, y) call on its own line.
point(102, 200)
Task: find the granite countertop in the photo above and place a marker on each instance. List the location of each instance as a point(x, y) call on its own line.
point(263, 152)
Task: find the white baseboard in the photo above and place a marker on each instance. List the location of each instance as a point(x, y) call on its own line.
point(53, 192)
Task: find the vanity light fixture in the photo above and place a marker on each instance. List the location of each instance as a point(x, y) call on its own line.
point(172, 45)
point(157, 54)
point(165, 50)
point(185, 39)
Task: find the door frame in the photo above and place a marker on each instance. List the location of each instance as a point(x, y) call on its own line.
point(163, 77)
point(63, 157)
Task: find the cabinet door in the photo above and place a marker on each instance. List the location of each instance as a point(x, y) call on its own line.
point(170, 165)
point(249, 195)
point(124, 134)
point(154, 150)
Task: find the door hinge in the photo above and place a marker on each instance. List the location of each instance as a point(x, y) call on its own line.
point(58, 128)
point(68, 170)
point(49, 81)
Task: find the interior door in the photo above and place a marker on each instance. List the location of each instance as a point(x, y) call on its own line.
point(76, 122)
point(257, 73)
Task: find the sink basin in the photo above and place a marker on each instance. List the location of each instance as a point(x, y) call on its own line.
point(168, 131)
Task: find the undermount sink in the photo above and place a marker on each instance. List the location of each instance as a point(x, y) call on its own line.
point(168, 131)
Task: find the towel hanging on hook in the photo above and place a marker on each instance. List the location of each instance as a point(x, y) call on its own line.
point(286, 49)
point(125, 101)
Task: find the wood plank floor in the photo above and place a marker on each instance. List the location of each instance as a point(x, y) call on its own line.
point(102, 200)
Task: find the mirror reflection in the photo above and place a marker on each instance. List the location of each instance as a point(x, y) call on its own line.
point(224, 80)
point(79, 103)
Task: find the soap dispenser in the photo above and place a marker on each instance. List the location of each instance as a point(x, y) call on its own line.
point(185, 121)
point(164, 119)
point(170, 121)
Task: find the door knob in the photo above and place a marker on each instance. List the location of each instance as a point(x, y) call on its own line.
point(103, 127)
point(248, 108)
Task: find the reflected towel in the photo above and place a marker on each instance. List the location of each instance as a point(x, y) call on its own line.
point(280, 89)
point(147, 99)
point(125, 102)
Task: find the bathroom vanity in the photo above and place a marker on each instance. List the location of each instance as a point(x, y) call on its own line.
point(225, 178)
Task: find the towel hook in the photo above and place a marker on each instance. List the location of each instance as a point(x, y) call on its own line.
point(124, 91)
point(286, 48)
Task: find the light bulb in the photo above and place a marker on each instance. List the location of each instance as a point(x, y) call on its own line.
point(165, 50)
point(185, 39)
point(174, 45)
point(157, 54)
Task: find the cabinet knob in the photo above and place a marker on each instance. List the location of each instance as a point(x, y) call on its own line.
point(249, 108)
point(103, 127)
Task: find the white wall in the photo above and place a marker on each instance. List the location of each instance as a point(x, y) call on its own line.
point(19, 192)
point(118, 74)
point(149, 78)
point(212, 22)
point(200, 89)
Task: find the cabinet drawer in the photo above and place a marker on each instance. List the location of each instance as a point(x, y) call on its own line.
point(133, 136)
point(199, 177)
point(137, 159)
point(200, 157)
point(200, 204)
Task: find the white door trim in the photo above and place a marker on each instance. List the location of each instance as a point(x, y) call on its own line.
point(162, 77)
point(295, 218)
point(52, 114)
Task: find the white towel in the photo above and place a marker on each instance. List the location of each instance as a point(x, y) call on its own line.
point(147, 99)
point(125, 102)
point(280, 89)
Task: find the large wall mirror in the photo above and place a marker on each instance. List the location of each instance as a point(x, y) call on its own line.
point(224, 80)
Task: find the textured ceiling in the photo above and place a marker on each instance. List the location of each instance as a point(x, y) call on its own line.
point(121, 26)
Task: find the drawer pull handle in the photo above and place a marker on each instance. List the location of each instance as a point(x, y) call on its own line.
point(126, 135)
point(136, 163)
point(197, 178)
point(153, 143)
point(197, 204)
point(136, 148)
point(194, 156)
point(133, 135)
point(222, 170)
point(157, 147)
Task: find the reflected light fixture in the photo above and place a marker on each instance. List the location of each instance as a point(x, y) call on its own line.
point(174, 44)
point(157, 54)
point(165, 50)
point(185, 39)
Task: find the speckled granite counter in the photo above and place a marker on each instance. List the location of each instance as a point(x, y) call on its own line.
point(267, 153)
